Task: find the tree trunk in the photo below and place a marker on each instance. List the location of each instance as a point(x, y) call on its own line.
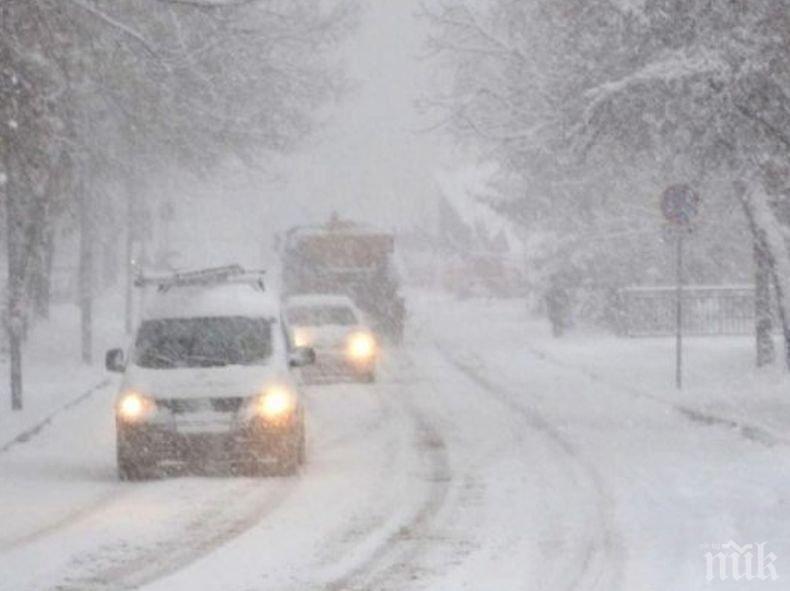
point(763, 315)
point(766, 227)
point(129, 251)
point(42, 279)
point(129, 272)
point(14, 317)
point(86, 273)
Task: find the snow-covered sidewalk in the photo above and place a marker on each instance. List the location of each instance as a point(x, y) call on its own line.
point(55, 378)
point(721, 383)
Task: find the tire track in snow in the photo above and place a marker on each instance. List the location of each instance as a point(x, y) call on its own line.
point(601, 565)
point(77, 514)
point(69, 520)
point(215, 524)
point(391, 562)
point(392, 558)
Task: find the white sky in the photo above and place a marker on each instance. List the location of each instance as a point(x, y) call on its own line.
point(371, 161)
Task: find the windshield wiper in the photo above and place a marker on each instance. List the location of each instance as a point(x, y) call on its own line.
point(161, 361)
point(208, 361)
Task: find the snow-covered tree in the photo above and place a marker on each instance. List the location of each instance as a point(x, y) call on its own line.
point(595, 106)
point(101, 94)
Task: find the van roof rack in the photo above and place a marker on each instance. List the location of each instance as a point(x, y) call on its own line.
point(210, 276)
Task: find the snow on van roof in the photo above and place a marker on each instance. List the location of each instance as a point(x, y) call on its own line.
point(212, 301)
point(319, 299)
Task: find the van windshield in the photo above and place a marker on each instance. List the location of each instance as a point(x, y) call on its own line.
point(203, 342)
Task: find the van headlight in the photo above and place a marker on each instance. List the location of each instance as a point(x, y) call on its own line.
point(134, 407)
point(361, 346)
point(276, 404)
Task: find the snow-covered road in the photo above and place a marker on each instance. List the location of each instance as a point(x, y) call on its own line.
point(479, 461)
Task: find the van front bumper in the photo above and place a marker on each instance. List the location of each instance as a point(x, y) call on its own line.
point(150, 445)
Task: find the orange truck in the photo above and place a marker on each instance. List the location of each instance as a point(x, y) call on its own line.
point(343, 257)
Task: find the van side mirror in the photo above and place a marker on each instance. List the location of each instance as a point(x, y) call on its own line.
point(301, 357)
point(114, 361)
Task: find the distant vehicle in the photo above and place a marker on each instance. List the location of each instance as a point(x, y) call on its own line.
point(348, 258)
point(334, 328)
point(208, 380)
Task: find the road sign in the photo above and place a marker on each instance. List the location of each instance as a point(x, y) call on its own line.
point(680, 204)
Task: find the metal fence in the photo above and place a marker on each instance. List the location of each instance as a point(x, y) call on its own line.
point(707, 310)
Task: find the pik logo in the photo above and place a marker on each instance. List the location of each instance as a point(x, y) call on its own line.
point(751, 562)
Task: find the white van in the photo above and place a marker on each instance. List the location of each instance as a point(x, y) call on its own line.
point(208, 380)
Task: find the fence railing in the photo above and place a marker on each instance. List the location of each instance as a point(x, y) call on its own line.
point(707, 310)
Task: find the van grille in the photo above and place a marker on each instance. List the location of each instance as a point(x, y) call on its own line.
point(190, 405)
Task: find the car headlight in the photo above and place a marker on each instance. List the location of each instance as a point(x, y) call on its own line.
point(361, 346)
point(133, 407)
point(276, 403)
point(302, 337)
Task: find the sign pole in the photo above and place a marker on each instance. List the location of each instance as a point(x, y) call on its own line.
point(679, 311)
point(680, 205)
